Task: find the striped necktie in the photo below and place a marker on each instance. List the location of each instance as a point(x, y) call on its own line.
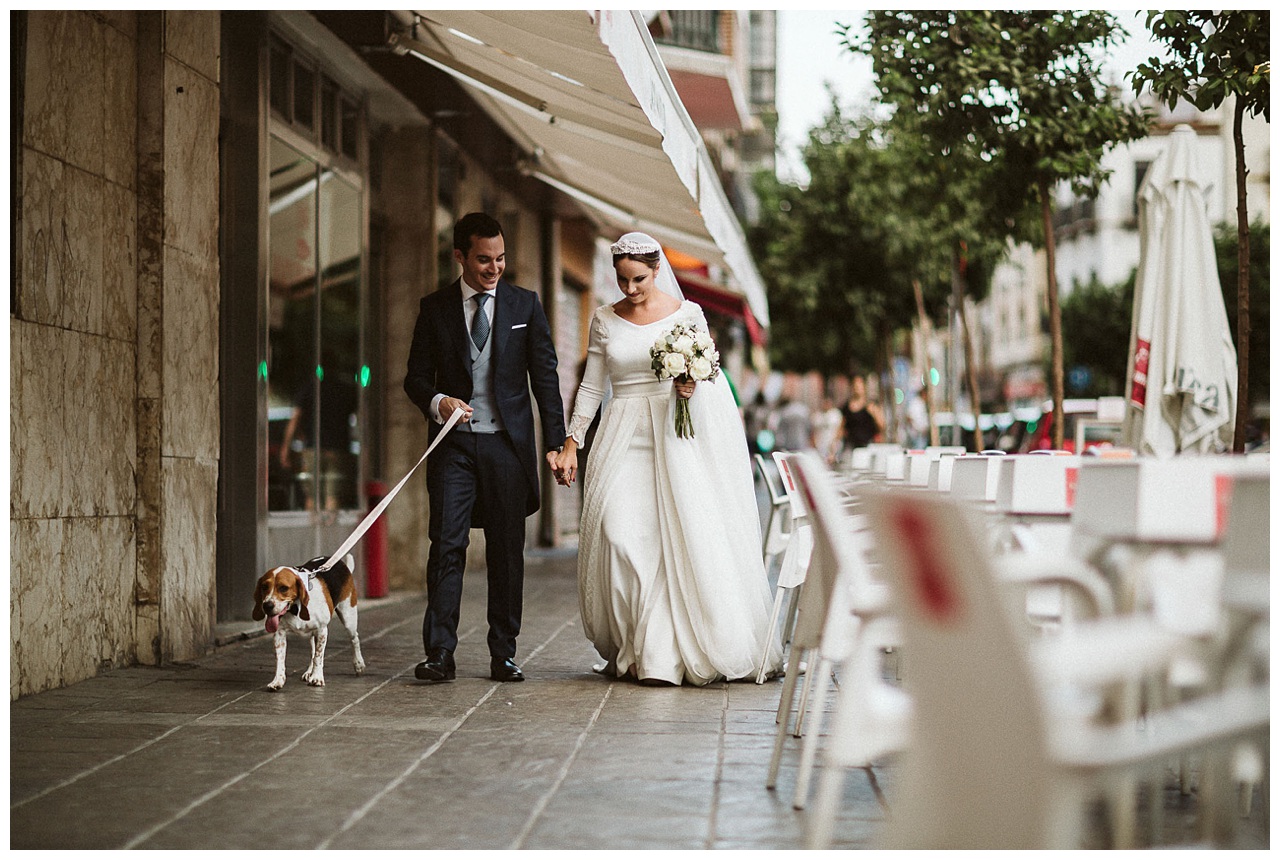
point(480, 323)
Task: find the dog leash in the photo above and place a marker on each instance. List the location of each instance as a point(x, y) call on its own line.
point(382, 505)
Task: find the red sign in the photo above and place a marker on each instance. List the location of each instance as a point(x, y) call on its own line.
point(1222, 486)
point(937, 594)
point(1141, 360)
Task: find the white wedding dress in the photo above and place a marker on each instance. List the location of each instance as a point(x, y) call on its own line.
point(670, 577)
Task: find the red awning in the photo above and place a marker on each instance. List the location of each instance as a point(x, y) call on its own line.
point(717, 299)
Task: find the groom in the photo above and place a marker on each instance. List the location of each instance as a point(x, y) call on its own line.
point(480, 344)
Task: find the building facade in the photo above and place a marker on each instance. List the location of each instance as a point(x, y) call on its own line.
point(1098, 238)
point(223, 223)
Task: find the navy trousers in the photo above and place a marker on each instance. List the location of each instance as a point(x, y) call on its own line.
point(475, 473)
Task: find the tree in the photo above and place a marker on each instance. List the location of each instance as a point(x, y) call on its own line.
point(1226, 243)
point(1021, 91)
point(1217, 55)
point(821, 256)
point(1096, 318)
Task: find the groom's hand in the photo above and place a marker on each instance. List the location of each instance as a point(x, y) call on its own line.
point(449, 404)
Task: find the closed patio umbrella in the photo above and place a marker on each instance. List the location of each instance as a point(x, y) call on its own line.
point(1181, 385)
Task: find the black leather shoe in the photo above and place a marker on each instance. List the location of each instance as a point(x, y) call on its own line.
point(505, 670)
point(438, 666)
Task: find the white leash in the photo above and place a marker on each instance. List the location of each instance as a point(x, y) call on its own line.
point(382, 505)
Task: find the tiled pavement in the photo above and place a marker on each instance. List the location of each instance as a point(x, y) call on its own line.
point(202, 755)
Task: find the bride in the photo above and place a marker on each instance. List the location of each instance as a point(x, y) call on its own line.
point(670, 578)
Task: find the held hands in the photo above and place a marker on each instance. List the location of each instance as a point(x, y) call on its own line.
point(564, 465)
point(685, 389)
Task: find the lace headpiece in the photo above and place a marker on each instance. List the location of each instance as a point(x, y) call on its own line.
point(635, 243)
point(643, 243)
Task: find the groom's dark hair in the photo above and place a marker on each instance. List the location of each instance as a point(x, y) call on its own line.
point(474, 224)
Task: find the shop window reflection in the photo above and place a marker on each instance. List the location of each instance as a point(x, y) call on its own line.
point(314, 364)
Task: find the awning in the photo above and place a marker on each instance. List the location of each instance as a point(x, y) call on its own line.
point(716, 298)
point(587, 98)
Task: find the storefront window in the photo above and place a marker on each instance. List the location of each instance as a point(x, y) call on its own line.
point(315, 372)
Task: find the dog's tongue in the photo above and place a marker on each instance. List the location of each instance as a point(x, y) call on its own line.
point(273, 623)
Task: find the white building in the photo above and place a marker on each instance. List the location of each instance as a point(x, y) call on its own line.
point(1099, 237)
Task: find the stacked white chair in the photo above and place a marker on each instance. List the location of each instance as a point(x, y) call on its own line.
point(990, 762)
point(777, 532)
point(795, 564)
point(837, 600)
point(873, 714)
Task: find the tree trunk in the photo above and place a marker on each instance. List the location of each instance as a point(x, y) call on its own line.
point(960, 289)
point(884, 358)
point(926, 339)
point(1244, 325)
point(1055, 317)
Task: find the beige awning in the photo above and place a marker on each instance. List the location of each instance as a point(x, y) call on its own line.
point(587, 98)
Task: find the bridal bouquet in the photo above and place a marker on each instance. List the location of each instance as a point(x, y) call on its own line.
point(683, 353)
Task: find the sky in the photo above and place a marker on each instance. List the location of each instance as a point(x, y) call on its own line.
point(810, 54)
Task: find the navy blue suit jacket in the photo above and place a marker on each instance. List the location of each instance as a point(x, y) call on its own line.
point(524, 358)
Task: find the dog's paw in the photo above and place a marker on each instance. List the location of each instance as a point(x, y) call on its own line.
point(315, 681)
point(359, 665)
point(276, 684)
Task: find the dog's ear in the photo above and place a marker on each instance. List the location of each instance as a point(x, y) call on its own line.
point(258, 593)
point(303, 599)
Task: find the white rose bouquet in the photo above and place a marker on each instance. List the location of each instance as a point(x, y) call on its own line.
point(683, 353)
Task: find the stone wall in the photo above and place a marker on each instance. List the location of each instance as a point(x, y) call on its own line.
point(113, 345)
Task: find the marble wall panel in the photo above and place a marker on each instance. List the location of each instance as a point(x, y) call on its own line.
point(119, 422)
point(16, 424)
point(44, 218)
point(190, 401)
point(35, 586)
point(47, 103)
point(126, 22)
point(119, 262)
point(83, 576)
point(187, 606)
point(120, 97)
point(15, 612)
point(97, 595)
point(37, 447)
point(83, 243)
point(64, 107)
point(83, 482)
point(194, 38)
point(190, 162)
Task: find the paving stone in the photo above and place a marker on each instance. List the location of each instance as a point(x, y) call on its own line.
point(203, 756)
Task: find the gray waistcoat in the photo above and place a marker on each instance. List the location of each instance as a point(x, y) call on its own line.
point(485, 417)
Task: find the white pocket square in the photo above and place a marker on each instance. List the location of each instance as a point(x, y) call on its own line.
point(522, 325)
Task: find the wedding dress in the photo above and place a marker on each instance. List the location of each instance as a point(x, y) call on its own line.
point(670, 577)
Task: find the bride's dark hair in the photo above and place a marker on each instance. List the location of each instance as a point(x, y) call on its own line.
point(650, 259)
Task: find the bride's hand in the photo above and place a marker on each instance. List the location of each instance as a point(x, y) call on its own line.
point(685, 389)
point(566, 467)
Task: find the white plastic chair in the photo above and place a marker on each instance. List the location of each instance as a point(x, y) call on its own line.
point(855, 628)
point(776, 531)
point(795, 563)
point(990, 764)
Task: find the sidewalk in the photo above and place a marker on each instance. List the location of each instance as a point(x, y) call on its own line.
point(202, 755)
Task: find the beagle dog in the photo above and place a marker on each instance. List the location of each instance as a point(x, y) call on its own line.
point(303, 600)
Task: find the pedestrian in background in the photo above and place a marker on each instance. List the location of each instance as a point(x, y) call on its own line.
point(863, 420)
point(828, 427)
point(794, 426)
